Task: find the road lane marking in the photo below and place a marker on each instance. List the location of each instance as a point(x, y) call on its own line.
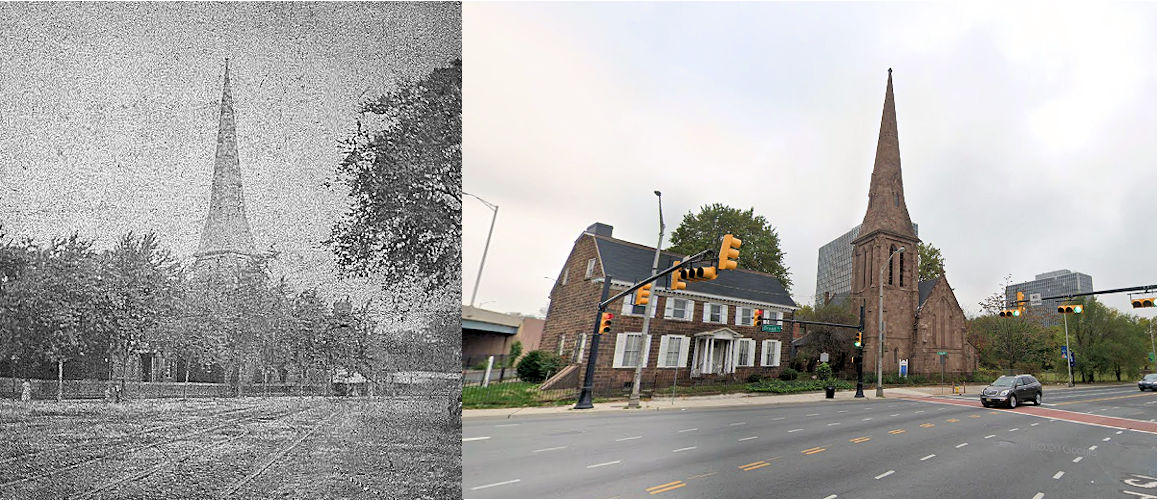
point(549, 449)
point(686, 430)
point(1092, 448)
point(778, 418)
point(1120, 432)
point(975, 416)
point(834, 423)
point(795, 430)
point(843, 411)
point(666, 487)
point(867, 418)
point(492, 485)
point(1014, 429)
point(748, 438)
point(812, 414)
point(927, 457)
point(736, 423)
point(506, 425)
point(1104, 399)
point(753, 466)
point(1039, 495)
point(988, 437)
point(895, 414)
point(629, 438)
point(897, 431)
point(480, 438)
point(952, 420)
point(1058, 474)
point(678, 450)
point(961, 445)
point(811, 451)
point(1077, 459)
point(920, 411)
point(993, 413)
point(861, 439)
point(1106, 439)
point(926, 425)
point(883, 474)
point(1034, 424)
point(830, 497)
point(614, 462)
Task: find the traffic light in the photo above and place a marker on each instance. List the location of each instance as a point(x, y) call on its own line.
point(1010, 313)
point(676, 283)
point(757, 313)
point(606, 323)
point(1021, 306)
point(857, 341)
point(642, 294)
point(1143, 302)
point(698, 274)
point(729, 252)
point(1070, 309)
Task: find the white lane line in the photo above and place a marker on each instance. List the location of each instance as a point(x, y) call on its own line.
point(778, 418)
point(1077, 459)
point(834, 423)
point(506, 425)
point(736, 423)
point(1092, 448)
point(1106, 439)
point(1014, 429)
point(895, 414)
point(683, 449)
point(920, 411)
point(867, 418)
point(549, 449)
point(830, 497)
point(988, 437)
point(614, 462)
point(748, 438)
point(795, 430)
point(891, 406)
point(886, 473)
point(927, 457)
point(686, 430)
point(1058, 474)
point(492, 485)
point(961, 445)
point(1120, 432)
point(480, 438)
point(812, 414)
point(843, 411)
point(1039, 495)
point(1034, 424)
point(629, 438)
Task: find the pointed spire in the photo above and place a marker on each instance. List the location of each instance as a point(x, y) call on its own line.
point(887, 210)
point(227, 230)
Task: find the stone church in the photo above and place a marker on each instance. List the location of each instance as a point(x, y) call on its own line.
point(922, 319)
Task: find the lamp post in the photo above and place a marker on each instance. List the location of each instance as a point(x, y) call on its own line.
point(494, 215)
point(881, 317)
point(649, 310)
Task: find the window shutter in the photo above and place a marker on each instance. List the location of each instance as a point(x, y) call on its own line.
point(645, 350)
point(776, 353)
point(668, 307)
point(684, 343)
point(752, 346)
point(704, 311)
point(724, 314)
point(662, 359)
point(688, 311)
point(562, 338)
point(626, 306)
point(618, 357)
point(765, 358)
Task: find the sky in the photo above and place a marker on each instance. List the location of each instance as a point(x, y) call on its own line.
point(109, 115)
point(1027, 132)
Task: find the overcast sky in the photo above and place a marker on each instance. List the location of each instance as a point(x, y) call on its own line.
point(109, 115)
point(1027, 132)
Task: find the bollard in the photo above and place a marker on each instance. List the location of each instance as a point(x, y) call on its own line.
point(487, 374)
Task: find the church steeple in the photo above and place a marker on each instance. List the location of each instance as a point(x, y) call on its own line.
point(227, 230)
point(887, 211)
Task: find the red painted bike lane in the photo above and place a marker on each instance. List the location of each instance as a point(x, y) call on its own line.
point(1038, 411)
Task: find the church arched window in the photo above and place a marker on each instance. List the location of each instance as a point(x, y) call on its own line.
point(892, 249)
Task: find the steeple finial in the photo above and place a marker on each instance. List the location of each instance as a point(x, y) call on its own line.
point(887, 210)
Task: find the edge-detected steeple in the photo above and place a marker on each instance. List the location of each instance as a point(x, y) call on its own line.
point(887, 211)
point(227, 230)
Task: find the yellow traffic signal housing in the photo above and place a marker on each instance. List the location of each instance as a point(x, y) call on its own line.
point(757, 313)
point(1143, 302)
point(1010, 313)
point(857, 340)
point(677, 284)
point(698, 274)
point(606, 323)
point(729, 252)
point(642, 294)
point(1070, 309)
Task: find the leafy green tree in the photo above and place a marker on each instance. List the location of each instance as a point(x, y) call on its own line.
point(513, 355)
point(403, 171)
point(838, 342)
point(761, 248)
point(930, 262)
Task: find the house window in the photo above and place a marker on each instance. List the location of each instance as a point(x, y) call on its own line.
point(581, 341)
point(745, 350)
point(629, 349)
point(591, 268)
point(892, 249)
point(565, 272)
point(562, 338)
point(771, 353)
point(630, 309)
point(680, 309)
point(715, 313)
point(744, 316)
point(673, 351)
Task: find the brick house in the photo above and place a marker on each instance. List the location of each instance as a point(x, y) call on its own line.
point(702, 333)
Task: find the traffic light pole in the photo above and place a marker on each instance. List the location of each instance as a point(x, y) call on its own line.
point(585, 397)
point(1066, 332)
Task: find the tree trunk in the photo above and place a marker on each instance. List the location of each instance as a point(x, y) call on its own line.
point(59, 380)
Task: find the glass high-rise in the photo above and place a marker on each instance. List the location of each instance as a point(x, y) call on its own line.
point(1060, 282)
point(835, 266)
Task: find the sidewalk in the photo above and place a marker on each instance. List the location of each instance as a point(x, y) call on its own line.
point(747, 399)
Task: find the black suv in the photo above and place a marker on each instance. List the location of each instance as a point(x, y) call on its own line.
point(1009, 390)
point(1148, 382)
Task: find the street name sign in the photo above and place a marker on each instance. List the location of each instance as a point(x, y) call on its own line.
point(771, 328)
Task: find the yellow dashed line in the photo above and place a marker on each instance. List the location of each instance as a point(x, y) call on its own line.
point(1101, 399)
point(952, 420)
point(861, 439)
point(926, 425)
point(811, 451)
point(993, 413)
point(665, 487)
point(897, 431)
point(975, 416)
point(754, 466)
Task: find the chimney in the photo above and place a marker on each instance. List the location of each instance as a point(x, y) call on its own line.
point(599, 229)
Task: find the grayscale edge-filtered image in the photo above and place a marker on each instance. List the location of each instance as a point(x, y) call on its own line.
point(230, 260)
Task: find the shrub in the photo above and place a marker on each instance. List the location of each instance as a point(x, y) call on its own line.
point(785, 387)
point(754, 378)
point(788, 374)
point(824, 372)
point(537, 366)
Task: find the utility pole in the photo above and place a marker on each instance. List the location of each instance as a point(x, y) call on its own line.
point(649, 310)
point(1066, 332)
point(486, 246)
point(585, 397)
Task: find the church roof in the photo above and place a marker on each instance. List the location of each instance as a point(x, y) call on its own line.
point(924, 289)
point(226, 230)
point(887, 211)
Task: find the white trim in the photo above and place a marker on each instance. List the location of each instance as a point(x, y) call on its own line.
point(750, 349)
point(562, 339)
point(565, 273)
point(591, 269)
point(621, 343)
point(776, 351)
point(682, 354)
point(707, 314)
point(688, 309)
point(743, 315)
point(723, 299)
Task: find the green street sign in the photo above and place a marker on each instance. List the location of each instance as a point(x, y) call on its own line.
point(1151, 355)
point(771, 328)
point(941, 353)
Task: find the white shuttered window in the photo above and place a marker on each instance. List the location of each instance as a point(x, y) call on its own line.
point(673, 351)
point(629, 348)
point(771, 353)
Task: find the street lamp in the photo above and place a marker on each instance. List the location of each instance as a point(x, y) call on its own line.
point(881, 317)
point(494, 215)
point(649, 310)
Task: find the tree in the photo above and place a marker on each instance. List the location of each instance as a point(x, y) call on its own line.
point(761, 249)
point(930, 262)
point(403, 171)
point(838, 342)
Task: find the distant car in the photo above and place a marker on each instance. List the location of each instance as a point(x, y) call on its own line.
point(1009, 390)
point(1148, 382)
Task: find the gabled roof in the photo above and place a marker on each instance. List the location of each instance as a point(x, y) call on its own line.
point(626, 261)
point(924, 289)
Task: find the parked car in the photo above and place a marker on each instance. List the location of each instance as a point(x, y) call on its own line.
point(1009, 390)
point(1148, 382)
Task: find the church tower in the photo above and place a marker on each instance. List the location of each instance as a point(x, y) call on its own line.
point(886, 228)
point(226, 240)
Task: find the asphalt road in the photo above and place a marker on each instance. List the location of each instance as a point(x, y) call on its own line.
point(868, 448)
